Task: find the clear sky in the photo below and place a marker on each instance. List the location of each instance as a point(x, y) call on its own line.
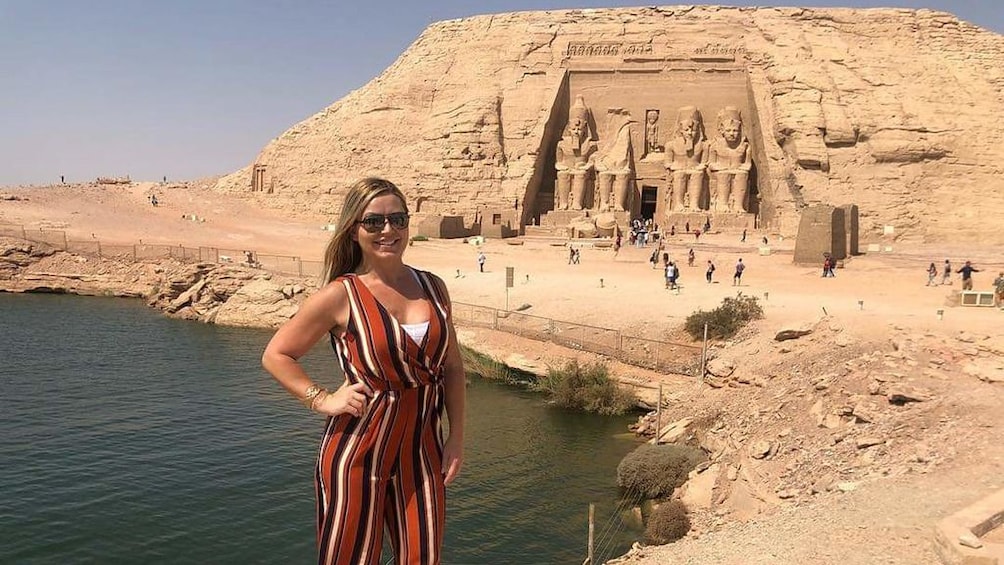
point(190, 88)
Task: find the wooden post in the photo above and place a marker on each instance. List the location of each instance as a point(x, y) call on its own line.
point(658, 417)
point(592, 510)
point(66, 244)
point(704, 353)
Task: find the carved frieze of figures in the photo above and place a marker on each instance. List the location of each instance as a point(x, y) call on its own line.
point(729, 163)
point(685, 154)
point(615, 163)
point(573, 159)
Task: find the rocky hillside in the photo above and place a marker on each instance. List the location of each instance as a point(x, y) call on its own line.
point(889, 109)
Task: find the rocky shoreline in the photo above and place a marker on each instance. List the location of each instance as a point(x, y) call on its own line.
point(230, 295)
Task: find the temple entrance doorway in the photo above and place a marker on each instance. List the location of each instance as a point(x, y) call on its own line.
point(649, 199)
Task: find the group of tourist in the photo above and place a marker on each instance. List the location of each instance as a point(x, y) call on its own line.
point(966, 271)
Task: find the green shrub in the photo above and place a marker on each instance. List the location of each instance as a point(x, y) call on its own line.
point(586, 387)
point(419, 238)
point(652, 471)
point(724, 321)
point(667, 523)
point(488, 368)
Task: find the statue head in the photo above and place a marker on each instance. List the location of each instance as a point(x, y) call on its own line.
point(578, 121)
point(689, 126)
point(730, 124)
point(652, 116)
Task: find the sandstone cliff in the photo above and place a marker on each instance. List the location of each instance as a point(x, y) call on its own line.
point(894, 110)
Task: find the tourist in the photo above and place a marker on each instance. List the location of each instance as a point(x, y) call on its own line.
point(571, 255)
point(967, 271)
point(481, 261)
point(653, 259)
point(743, 240)
point(707, 224)
point(672, 273)
point(576, 256)
point(691, 257)
point(672, 230)
point(932, 273)
point(686, 227)
point(737, 278)
point(697, 234)
point(617, 245)
point(946, 274)
point(826, 266)
point(382, 463)
point(665, 258)
point(710, 271)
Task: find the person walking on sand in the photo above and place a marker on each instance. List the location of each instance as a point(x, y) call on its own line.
point(932, 273)
point(383, 464)
point(946, 273)
point(481, 261)
point(967, 271)
point(710, 271)
point(737, 278)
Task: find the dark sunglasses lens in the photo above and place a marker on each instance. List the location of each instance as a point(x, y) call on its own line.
point(372, 223)
point(399, 221)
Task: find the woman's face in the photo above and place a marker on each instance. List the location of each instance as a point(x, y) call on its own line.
point(391, 237)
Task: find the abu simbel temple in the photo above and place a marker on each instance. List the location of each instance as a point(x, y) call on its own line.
point(574, 122)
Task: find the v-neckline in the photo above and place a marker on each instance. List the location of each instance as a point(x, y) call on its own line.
point(397, 323)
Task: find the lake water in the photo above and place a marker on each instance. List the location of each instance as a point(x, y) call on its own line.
point(127, 437)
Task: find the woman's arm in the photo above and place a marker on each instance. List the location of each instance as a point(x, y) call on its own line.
point(325, 311)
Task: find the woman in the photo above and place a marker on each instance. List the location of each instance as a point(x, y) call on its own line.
point(382, 459)
point(932, 272)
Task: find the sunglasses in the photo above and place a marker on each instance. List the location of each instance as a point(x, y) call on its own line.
point(374, 223)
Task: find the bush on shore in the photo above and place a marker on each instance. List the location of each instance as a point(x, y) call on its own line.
point(489, 368)
point(586, 387)
point(654, 471)
point(724, 321)
point(667, 523)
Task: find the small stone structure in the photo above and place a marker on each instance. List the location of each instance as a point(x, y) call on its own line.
point(443, 227)
point(499, 223)
point(821, 232)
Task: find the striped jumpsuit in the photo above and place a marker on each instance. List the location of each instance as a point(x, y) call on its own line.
point(386, 466)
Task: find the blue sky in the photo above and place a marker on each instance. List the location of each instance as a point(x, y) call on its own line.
point(194, 88)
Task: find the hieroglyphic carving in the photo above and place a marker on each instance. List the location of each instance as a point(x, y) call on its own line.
point(606, 49)
point(573, 159)
point(722, 49)
point(685, 160)
point(729, 163)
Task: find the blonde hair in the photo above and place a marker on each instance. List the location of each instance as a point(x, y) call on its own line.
point(343, 254)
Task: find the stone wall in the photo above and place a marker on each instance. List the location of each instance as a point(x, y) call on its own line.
point(887, 108)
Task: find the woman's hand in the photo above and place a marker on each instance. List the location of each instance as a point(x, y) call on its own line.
point(348, 399)
point(453, 458)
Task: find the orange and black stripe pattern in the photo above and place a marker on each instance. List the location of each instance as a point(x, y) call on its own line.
point(385, 468)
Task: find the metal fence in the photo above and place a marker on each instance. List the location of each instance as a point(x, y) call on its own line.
point(679, 358)
point(667, 356)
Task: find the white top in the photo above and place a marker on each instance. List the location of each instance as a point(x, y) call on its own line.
point(416, 331)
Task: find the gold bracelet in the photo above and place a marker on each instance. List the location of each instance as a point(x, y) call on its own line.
point(320, 396)
point(309, 395)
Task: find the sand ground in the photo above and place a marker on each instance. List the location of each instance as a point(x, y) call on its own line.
point(871, 293)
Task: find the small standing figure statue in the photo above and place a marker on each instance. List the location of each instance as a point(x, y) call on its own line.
point(685, 160)
point(652, 132)
point(573, 159)
point(729, 163)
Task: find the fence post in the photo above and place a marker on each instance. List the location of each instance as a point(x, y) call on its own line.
point(99, 249)
point(134, 255)
point(24, 234)
point(704, 353)
point(66, 243)
point(299, 266)
point(658, 417)
point(592, 510)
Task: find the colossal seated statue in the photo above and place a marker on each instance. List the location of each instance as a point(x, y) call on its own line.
point(685, 160)
point(573, 159)
point(729, 163)
point(615, 163)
